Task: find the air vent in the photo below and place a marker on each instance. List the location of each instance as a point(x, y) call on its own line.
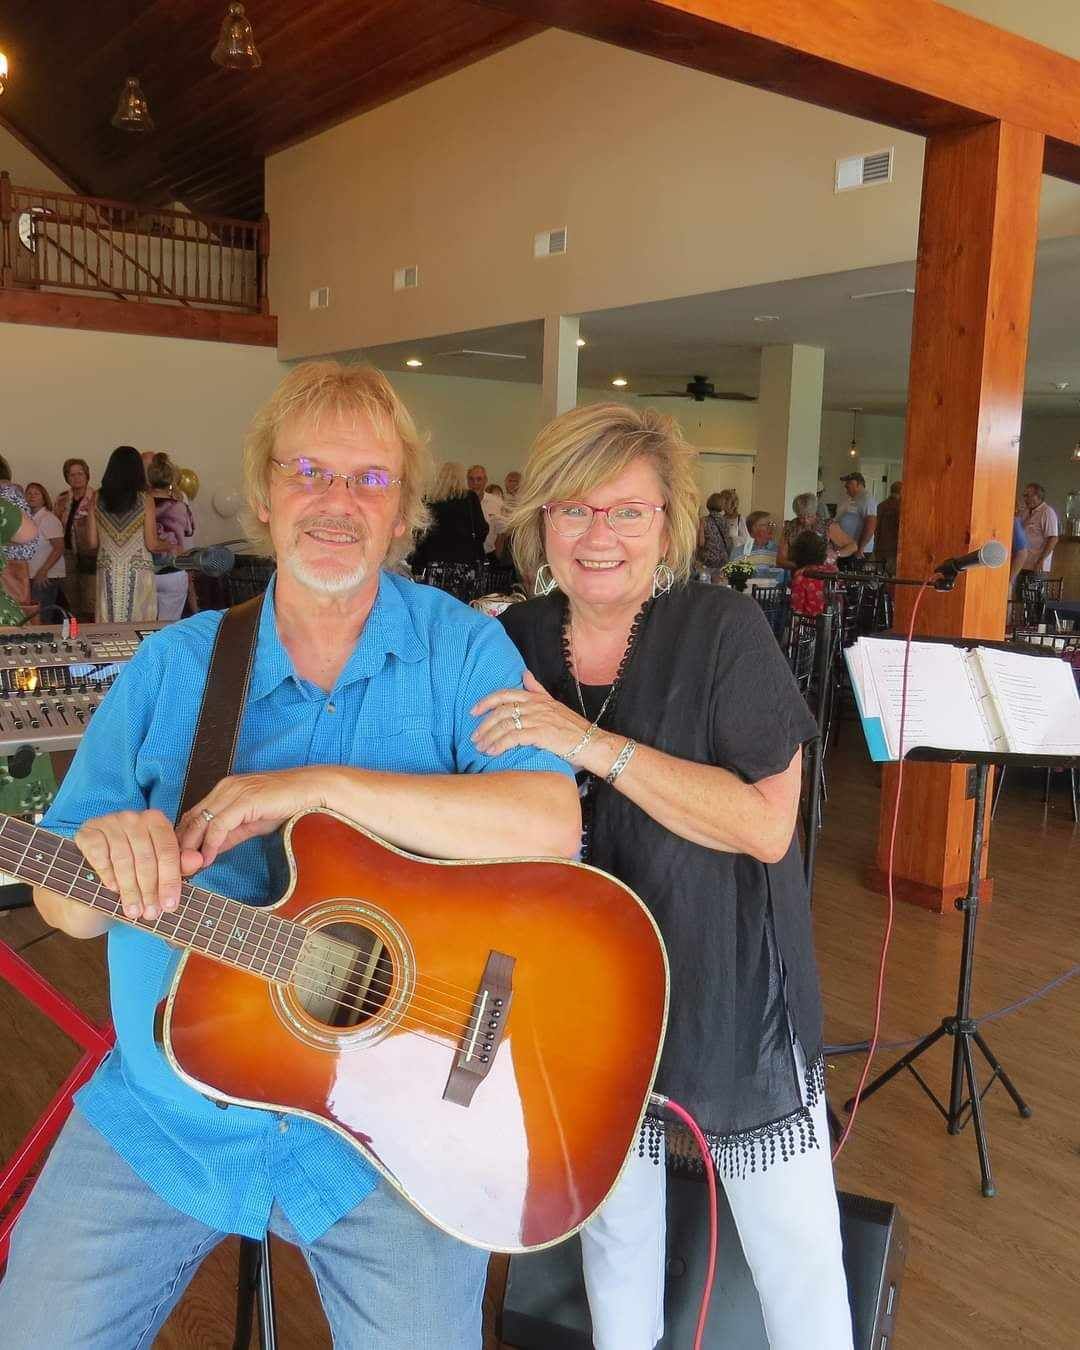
point(864, 170)
point(550, 242)
point(319, 298)
point(406, 278)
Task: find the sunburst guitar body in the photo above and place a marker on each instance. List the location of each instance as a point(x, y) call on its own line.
point(486, 1033)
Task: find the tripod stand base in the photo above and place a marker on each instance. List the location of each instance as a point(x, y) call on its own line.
point(960, 1109)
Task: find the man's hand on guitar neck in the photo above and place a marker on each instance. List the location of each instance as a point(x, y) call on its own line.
point(136, 854)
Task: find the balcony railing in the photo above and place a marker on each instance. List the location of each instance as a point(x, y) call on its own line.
point(58, 241)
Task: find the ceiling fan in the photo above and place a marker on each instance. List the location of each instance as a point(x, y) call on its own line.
point(699, 388)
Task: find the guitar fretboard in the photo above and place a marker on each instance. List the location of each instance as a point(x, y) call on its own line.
point(234, 933)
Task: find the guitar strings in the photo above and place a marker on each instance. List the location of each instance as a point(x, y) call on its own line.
point(191, 893)
point(426, 984)
point(302, 968)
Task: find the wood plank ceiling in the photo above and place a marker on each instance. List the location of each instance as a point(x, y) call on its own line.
point(323, 61)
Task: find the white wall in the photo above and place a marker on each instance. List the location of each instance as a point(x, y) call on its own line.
point(65, 392)
point(24, 167)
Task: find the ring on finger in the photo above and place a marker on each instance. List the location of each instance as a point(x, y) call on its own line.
point(208, 816)
point(515, 717)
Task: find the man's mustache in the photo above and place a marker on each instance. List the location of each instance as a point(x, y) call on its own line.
point(335, 524)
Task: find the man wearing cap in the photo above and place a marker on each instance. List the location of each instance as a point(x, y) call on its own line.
point(857, 515)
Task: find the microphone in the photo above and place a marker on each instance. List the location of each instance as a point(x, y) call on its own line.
point(992, 554)
point(213, 561)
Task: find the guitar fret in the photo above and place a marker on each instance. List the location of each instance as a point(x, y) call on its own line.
point(238, 934)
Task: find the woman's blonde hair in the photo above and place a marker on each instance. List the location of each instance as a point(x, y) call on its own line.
point(591, 445)
point(449, 482)
point(327, 389)
point(729, 502)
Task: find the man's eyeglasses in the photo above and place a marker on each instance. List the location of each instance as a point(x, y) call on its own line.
point(630, 519)
point(314, 479)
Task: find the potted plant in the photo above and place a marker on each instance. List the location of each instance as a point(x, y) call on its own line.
point(738, 574)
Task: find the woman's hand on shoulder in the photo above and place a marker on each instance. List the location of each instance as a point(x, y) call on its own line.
point(541, 721)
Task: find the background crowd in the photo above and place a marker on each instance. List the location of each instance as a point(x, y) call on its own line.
point(104, 554)
point(108, 553)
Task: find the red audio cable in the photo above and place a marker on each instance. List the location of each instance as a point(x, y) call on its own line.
point(880, 994)
point(710, 1178)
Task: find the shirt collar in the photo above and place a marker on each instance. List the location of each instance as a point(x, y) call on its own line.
point(388, 630)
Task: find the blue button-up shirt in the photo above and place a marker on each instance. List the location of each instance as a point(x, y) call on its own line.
point(401, 704)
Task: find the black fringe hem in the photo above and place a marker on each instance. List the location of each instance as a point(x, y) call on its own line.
point(737, 1156)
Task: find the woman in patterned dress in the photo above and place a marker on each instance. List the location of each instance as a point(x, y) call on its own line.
point(124, 533)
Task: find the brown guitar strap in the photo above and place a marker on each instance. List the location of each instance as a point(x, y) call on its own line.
point(216, 732)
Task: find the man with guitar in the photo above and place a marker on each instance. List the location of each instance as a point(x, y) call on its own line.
point(358, 700)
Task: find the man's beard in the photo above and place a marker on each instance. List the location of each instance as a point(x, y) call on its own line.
point(318, 578)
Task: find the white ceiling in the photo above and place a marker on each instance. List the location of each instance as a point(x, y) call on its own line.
point(659, 346)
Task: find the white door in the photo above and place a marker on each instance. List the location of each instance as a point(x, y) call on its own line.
point(717, 471)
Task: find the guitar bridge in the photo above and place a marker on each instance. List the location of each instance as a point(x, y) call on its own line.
point(484, 1031)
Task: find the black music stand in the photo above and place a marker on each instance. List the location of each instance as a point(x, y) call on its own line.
point(960, 1024)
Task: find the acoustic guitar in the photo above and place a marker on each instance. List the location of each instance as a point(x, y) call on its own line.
point(486, 1033)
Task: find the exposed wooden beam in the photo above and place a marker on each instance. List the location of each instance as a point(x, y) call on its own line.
point(144, 318)
point(917, 65)
point(977, 238)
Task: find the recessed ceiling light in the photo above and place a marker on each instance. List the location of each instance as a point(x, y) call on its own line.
point(619, 382)
point(581, 342)
point(766, 318)
point(1061, 385)
point(414, 361)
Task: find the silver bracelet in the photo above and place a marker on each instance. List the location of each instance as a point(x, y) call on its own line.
point(626, 754)
point(589, 734)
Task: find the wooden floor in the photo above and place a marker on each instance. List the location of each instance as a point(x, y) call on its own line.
point(996, 1274)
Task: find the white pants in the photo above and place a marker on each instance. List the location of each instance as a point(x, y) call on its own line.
point(172, 589)
point(789, 1226)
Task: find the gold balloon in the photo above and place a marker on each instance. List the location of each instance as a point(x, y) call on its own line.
point(187, 480)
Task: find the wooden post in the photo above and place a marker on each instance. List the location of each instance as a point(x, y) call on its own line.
point(975, 270)
point(264, 264)
point(7, 231)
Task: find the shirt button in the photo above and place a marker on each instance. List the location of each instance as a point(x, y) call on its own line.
point(330, 708)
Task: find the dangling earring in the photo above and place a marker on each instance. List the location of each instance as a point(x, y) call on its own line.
point(544, 585)
point(662, 580)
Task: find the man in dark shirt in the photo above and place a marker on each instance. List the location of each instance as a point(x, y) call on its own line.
point(887, 534)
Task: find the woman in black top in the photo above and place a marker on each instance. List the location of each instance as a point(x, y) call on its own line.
point(675, 704)
point(458, 528)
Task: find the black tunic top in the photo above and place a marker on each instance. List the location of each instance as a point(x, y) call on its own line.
point(708, 683)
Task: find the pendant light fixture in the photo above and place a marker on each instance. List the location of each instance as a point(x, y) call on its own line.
point(132, 112)
point(3, 72)
point(853, 450)
point(236, 48)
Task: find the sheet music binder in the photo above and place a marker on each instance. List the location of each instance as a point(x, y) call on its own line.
point(875, 732)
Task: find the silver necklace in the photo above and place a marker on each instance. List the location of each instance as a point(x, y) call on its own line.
point(577, 683)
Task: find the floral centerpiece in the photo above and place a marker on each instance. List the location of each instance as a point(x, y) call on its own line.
point(738, 574)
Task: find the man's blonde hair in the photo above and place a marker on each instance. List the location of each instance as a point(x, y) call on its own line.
point(317, 390)
point(589, 446)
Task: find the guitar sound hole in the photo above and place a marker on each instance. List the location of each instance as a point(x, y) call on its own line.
point(343, 975)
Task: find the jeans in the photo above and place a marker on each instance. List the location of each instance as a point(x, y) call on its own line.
point(98, 1262)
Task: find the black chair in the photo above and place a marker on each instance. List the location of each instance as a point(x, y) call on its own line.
point(774, 605)
point(1033, 592)
point(255, 1289)
point(457, 579)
